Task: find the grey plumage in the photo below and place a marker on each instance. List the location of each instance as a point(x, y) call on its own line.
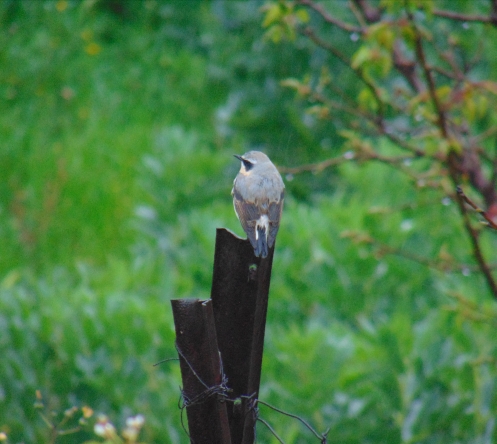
point(258, 194)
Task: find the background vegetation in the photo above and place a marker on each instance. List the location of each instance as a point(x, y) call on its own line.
point(118, 121)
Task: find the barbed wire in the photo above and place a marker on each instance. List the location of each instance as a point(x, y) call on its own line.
point(222, 390)
point(322, 437)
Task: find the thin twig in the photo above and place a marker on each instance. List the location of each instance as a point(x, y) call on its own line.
point(370, 13)
point(358, 14)
point(493, 179)
point(489, 132)
point(484, 267)
point(475, 207)
point(470, 309)
point(420, 54)
point(329, 18)
point(464, 17)
point(352, 110)
point(444, 72)
point(314, 167)
point(382, 249)
point(69, 431)
point(309, 32)
point(351, 156)
point(406, 67)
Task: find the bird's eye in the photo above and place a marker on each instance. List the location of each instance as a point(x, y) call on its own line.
point(247, 164)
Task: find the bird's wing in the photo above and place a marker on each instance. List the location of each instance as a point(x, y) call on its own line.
point(248, 214)
point(275, 210)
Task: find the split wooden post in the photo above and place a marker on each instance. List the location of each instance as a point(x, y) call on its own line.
point(240, 289)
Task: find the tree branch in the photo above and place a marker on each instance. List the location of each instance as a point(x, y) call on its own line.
point(453, 157)
point(370, 13)
point(462, 156)
point(330, 19)
point(484, 267)
point(492, 18)
point(490, 222)
point(358, 72)
point(445, 264)
point(406, 67)
point(317, 167)
point(420, 54)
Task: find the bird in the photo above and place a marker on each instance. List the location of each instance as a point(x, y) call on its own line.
point(258, 193)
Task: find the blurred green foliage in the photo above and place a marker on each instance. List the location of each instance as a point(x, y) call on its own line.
point(118, 121)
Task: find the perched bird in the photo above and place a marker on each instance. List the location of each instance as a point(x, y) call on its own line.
point(258, 192)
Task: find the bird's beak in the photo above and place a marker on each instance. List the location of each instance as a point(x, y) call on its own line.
point(240, 158)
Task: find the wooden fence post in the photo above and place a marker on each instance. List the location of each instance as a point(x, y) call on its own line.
point(203, 384)
point(240, 289)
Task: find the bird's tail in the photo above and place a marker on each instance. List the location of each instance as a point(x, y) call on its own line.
point(262, 230)
point(261, 249)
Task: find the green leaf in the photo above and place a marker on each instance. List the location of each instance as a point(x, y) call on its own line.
point(361, 56)
point(302, 16)
point(274, 13)
point(382, 34)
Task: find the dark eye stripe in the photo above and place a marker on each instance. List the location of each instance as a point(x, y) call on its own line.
point(247, 164)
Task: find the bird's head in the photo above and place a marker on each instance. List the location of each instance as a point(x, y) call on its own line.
point(250, 160)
